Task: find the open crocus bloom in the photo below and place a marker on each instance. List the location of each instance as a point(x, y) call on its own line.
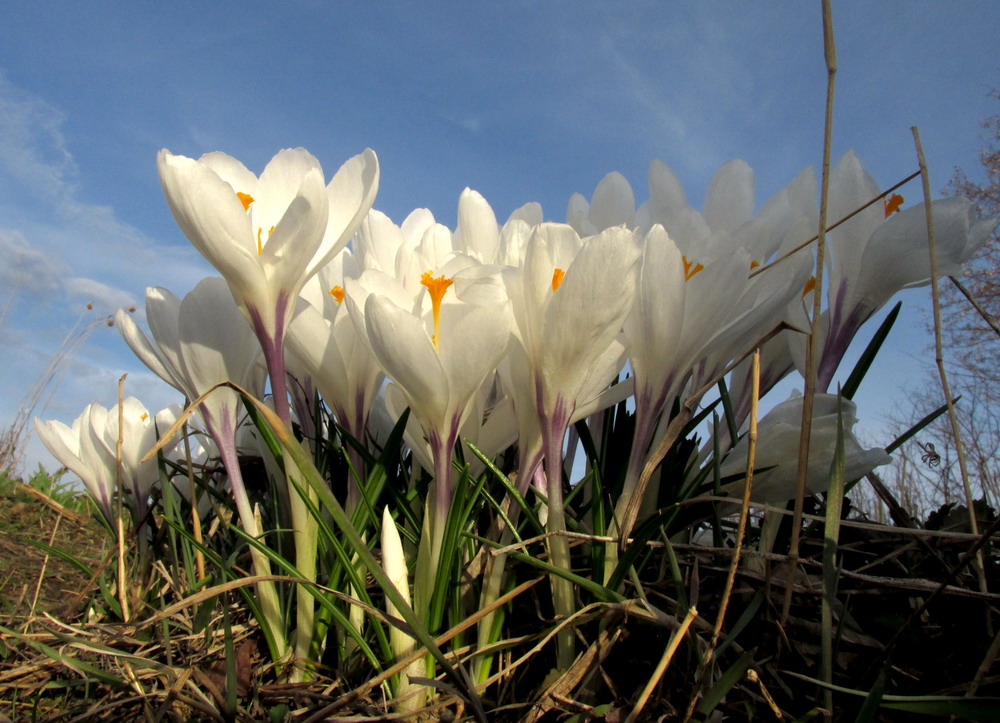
point(82, 450)
point(569, 301)
point(778, 443)
point(88, 449)
point(439, 351)
point(874, 256)
point(327, 345)
point(199, 342)
point(268, 235)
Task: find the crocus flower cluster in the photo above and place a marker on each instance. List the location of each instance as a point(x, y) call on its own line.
point(498, 334)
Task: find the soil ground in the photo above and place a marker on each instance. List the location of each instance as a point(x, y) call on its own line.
point(32, 579)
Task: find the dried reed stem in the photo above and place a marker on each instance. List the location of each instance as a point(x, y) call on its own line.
point(199, 556)
point(120, 527)
point(987, 316)
point(812, 352)
point(734, 563)
point(939, 355)
point(41, 577)
point(661, 667)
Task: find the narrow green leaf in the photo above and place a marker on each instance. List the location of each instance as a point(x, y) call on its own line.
point(981, 709)
point(868, 355)
point(311, 474)
point(733, 675)
point(905, 436)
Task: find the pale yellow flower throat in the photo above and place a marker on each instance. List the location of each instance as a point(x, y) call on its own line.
point(246, 199)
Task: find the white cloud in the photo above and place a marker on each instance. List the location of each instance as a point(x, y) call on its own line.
point(60, 253)
point(106, 299)
point(33, 153)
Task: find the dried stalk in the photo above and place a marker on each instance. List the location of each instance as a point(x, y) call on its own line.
point(661, 667)
point(120, 526)
point(987, 316)
point(812, 362)
point(939, 356)
point(741, 530)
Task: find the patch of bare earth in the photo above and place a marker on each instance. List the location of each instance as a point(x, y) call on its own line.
point(33, 581)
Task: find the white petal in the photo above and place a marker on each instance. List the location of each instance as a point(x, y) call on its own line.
point(477, 230)
point(212, 217)
point(729, 202)
point(351, 193)
point(613, 203)
point(406, 353)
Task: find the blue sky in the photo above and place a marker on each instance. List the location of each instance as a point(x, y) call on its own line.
point(522, 101)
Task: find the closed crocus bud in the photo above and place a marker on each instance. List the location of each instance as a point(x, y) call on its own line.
point(778, 449)
point(402, 644)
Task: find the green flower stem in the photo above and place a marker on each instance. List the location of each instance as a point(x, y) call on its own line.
point(558, 544)
point(267, 592)
point(297, 454)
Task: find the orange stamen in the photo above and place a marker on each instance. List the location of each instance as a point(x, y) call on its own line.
point(690, 269)
point(810, 285)
point(246, 199)
point(260, 245)
point(754, 264)
point(144, 416)
point(557, 278)
point(337, 292)
point(892, 204)
point(436, 288)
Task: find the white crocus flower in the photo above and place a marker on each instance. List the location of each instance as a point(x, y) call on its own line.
point(89, 449)
point(729, 204)
point(778, 439)
point(81, 449)
point(613, 204)
point(439, 351)
point(327, 347)
point(199, 342)
point(268, 235)
point(569, 302)
point(874, 256)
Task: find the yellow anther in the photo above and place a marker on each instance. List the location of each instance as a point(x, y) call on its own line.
point(557, 278)
point(810, 285)
point(245, 198)
point(892, 204)
point(144, 416)
point(754, 264)
point(337, 292)
point(690, 269)
point(436, 288)
point(260, 245)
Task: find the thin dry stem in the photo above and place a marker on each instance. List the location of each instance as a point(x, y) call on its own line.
point(122, 574)
point(812, 350)
point(987, 316)
point(939, 356)
point(199, 556)
point(661, 667)
point(41, 576)
point(734, 563)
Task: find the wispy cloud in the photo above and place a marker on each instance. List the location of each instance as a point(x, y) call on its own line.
point(61, 253)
